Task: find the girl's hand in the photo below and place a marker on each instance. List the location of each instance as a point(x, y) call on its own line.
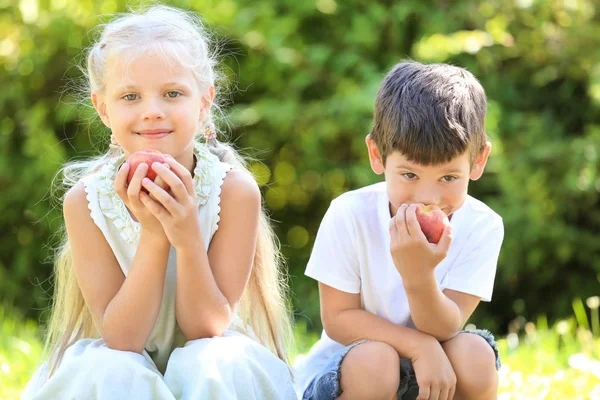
point(131, 197)
point(177, 210)
point(412, 253)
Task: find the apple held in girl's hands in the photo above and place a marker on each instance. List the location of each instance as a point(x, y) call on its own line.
point(147, 156)
point(433, 221)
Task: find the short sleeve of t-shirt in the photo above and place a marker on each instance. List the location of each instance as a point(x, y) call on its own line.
point(474, 270)
point(333, 260)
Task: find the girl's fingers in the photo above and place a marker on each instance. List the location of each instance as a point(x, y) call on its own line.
point(160, 196)
point(175, 183)
point(121, 181)
point(135, 186)
point(183, 174)
point(153, 206)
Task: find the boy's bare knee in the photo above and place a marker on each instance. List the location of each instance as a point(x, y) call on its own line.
point(370, 370)
point(474, 364)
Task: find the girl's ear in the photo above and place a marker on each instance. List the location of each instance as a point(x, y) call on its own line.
point(207, 103)
point(479, 166)
point(100, 107)
point(375, 156)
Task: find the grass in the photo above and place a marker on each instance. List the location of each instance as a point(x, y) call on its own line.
point(539, 361)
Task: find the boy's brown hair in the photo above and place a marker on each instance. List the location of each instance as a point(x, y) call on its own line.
point(431, 113)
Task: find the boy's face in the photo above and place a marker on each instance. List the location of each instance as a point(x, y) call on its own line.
point(444, 185)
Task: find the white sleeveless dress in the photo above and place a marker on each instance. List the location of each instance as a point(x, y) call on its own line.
point(232, 366)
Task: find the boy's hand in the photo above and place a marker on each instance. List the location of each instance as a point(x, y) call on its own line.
point(410, 250)
point(434, 373)
point(177, 210)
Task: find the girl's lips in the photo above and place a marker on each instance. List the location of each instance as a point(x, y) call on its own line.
point(154, 135)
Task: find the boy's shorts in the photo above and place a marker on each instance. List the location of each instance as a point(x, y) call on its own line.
point(326, 385)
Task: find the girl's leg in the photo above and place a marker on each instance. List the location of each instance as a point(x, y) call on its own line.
point(229, 367)
point(90, 370)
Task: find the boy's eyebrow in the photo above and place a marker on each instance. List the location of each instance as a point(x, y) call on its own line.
point(449, 171)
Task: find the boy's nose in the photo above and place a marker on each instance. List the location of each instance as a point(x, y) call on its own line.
point(427, 197)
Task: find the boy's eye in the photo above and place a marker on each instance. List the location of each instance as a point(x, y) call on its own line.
point(173, 94)
point(409, 175)
point(449, 178)
point(130, 96)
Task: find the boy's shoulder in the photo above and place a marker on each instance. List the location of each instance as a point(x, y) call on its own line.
point(477, 213)
point(362, 200)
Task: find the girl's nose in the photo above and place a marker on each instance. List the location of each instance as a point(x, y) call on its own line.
point(153, 110)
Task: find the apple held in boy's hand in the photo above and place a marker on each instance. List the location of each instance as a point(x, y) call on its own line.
point(147, 156)
point(433, 221)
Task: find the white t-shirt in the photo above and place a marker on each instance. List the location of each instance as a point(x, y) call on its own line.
point(352, 254)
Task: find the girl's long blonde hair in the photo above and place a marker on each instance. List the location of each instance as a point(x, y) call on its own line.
point(178, 36)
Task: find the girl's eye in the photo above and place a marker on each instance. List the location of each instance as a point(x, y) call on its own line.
point(409, 175)
point(129, 97)
point(173, 94)
point(449, 178)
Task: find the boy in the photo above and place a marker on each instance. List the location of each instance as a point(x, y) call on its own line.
point(392, 304)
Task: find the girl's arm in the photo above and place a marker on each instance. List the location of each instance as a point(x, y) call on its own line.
point(210, 285)
point(125, 310)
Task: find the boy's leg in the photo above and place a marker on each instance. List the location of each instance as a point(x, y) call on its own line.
point(370, 370)
point(363, 370)
point(475, 364)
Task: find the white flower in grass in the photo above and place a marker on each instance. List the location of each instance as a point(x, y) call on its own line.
point(593, 302)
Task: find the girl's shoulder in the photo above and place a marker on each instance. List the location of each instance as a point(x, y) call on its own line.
point(239, 187)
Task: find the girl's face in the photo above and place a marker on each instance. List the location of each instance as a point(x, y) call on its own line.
point(151, 104)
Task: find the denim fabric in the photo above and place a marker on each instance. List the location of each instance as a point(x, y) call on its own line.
point(326, 385)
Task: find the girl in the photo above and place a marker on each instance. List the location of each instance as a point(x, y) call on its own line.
point(163, 293)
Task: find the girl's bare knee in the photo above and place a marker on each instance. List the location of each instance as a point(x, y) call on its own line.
point(474, 363)
point(370, 370)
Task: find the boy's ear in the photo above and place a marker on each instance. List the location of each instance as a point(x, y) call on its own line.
point(100, 107)
point(375, 156)
point(479, 166)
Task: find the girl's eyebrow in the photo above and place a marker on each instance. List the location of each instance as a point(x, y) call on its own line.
point(134, 87)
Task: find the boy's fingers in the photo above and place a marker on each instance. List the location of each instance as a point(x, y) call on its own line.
point(446, 239)
point(412, 224)
point(393, 231)
point(423, 392)
point(401, 223)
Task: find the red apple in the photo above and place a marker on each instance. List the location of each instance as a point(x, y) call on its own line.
point(148, 156)
point(433, 221)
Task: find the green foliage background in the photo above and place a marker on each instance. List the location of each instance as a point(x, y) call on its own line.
point(306, 74)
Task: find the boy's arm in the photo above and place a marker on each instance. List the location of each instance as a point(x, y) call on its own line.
point(345, 322)
point(440, 314)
